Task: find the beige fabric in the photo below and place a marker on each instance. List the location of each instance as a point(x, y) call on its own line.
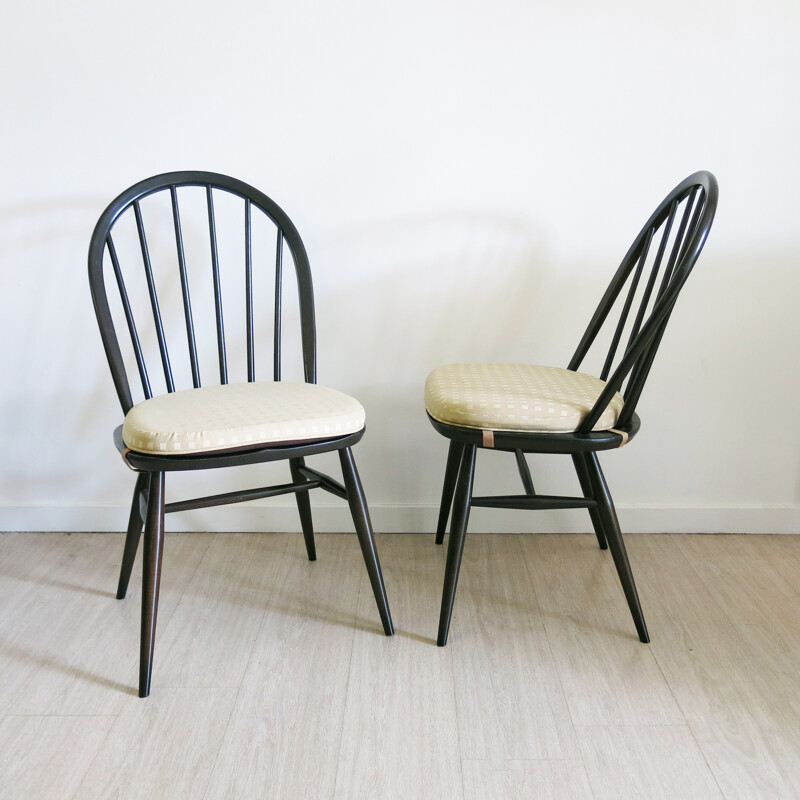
point(239, 415)
point(515, 397)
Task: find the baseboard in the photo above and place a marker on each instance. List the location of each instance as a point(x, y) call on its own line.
point(279, 516)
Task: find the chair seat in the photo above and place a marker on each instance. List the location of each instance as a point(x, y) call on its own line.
point(516, 397)
point(240, 415)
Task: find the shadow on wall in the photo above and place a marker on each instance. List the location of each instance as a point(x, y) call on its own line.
point(56, 379)
point(405, 294)
point(419, 293)
point(393, 301)
point(399, 298)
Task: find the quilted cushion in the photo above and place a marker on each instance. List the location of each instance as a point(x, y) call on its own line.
point(516, 397)
point(239, 415)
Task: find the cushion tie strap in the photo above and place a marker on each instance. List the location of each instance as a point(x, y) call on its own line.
point(124, 455)
point(624, 436)
point(488, 438)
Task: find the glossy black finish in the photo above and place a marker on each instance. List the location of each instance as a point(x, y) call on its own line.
point(230, 458)
point(582, 471)
point(304, 505)
point(608, 514)
point(524, 472)
point(458, 533)
point(564, 443)
point(360, 512)
point(151, 576)
point(635, 310)
point(147, 266)
point(450, 476)
point(135, 523)
point(539, 502)
point(325, 481)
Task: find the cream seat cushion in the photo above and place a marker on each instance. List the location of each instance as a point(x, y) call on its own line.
point(516, 397)
point(239, 415)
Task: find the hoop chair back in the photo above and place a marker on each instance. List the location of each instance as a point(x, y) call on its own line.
point(643, 292)
point(144, 263)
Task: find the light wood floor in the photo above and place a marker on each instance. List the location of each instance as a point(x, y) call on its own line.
point(272, 678)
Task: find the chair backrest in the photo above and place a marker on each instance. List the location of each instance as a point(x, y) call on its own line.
point(644, 289)
point(173, 245)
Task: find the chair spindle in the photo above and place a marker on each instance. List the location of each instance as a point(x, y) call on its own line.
point(681, 241)
point(278, 294)
point(126, 306)
point(187, 303)
point(248, 285)
point(151, 290)
point(212, 233)
point(694, 204)
point(623, 318)
point(655, 269)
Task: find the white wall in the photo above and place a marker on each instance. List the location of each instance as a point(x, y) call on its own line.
point(466, 176)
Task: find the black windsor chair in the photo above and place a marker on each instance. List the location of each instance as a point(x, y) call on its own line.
point(523, 408)
point(234, 421)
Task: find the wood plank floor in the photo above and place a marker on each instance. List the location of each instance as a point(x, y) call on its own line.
point(272, 678)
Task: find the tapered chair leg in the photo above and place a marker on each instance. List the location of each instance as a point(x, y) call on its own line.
point(135, 522)
point(524, 473)
point(363, 525)
point(458, 533)
point(579, 460)
point(450, 476)
point(151, 577)
point(615, 543)
point(304, 508)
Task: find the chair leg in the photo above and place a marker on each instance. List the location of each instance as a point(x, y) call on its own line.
point(151, 577)
point(579, 460)
point(615, 543)
point(135, 522)
point(524, 472)
point(458, 533)
point(304, 508)
point(450, 475)
point(363, 525)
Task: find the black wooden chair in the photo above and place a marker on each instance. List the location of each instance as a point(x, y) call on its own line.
point(522, 408)
point(166, 268)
